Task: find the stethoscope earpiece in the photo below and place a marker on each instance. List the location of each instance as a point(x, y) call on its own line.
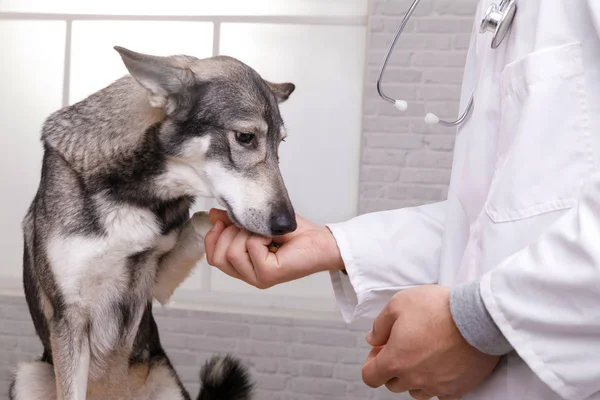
point(498, 20)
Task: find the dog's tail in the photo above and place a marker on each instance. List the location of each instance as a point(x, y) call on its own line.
point(225, 378)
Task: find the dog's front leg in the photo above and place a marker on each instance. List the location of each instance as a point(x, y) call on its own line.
point(71, 357)
point(177, 264)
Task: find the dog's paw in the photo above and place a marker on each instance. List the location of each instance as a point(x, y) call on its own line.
point(201, 223)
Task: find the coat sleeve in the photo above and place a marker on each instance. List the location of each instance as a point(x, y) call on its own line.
point(386, 252)
point(546, 300)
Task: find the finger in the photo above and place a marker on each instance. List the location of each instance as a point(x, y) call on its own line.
point(238, 257)
point(419, 394)
point(377, 371)
point(373, 353)
point(395, 385)
point(219, 258)
point(210, 240)
point(382, 326)
point(215, 215)
point(266, 265)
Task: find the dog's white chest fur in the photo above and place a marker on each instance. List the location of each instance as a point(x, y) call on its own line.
point(92, 268)
point(96, 276)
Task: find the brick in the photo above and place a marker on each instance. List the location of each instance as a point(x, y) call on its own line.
point(188, 373)
point(415, 192)
point(444, 26)
point(317, 370)
point(17, 328)
point(350, 373)
point(440, 142)
point(415, 109)
point(268, 395)
point(376, 24)
point(395, 75)
point(383, 157)
point(181, 357)
point(262, 349)
point(171, 340)
point(193, 388)
point(430, 159)
point(461, 41)
point(327, 338)
point(394, 141)
point(375, 174)
point(352, 356)
point(313, 353)
point(446, 110)
point(401, 7)
point(391, 25)
point(437, 59)
point(361, 390)
point(271, 381)
point(400, 57)
point(418, 125)
point(264, 364)
point(288, 366)
point(455, 7)
point(419, 41)
point(210, 344)
point(401, 91)
point(413, 175)
point(445, 75)
point(438, 92)
point(319, 323)
point(318, 386)
point(225, 329)
point(385, 124)
point(273, 333)
point(372, 190)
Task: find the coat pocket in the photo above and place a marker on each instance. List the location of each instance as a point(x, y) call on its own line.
point(545, 151)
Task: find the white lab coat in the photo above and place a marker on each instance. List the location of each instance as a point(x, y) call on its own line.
point(523, 208)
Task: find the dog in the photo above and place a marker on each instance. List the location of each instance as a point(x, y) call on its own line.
point(109, 228)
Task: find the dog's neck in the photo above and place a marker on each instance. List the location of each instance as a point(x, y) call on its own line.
point(111, 140)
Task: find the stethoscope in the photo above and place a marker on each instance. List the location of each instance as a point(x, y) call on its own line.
point(498, 20)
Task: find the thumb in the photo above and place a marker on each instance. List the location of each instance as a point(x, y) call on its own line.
point(382, 326)
point(216, 214)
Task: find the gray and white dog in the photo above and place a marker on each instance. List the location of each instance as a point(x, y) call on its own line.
point(109, 229)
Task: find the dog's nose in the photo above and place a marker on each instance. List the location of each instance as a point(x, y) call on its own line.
point(283, 222)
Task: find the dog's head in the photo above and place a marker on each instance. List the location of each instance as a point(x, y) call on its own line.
point(222, 124)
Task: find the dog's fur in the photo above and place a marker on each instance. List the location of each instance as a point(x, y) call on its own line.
point(109, 228)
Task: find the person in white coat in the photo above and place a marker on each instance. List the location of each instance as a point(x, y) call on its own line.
point(494, 293)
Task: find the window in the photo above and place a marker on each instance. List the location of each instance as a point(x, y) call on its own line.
point(60, 52)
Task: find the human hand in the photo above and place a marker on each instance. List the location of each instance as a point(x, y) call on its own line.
point(309, 249)
point(418, 348)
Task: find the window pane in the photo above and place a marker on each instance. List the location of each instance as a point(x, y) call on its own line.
point(31, 78)
point(95, 64)
point(320, 158)
point(187, 7)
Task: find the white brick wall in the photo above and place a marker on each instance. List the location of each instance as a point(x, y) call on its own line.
point(404, 161)
point(289, 359)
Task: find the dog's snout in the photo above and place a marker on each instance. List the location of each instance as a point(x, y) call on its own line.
point(283, 221)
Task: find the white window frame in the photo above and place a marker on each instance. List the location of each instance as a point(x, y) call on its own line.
point(205, 299)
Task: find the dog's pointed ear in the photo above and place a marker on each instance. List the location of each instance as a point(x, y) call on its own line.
point(282, 91)
point(159, 75)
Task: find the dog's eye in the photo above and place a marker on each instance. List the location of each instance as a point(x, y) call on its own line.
point(244, 138)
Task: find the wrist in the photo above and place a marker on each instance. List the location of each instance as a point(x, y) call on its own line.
point(474, 322)
point(335, 262)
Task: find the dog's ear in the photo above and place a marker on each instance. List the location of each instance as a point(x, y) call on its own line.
point(159, 75)
point(282, 91)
